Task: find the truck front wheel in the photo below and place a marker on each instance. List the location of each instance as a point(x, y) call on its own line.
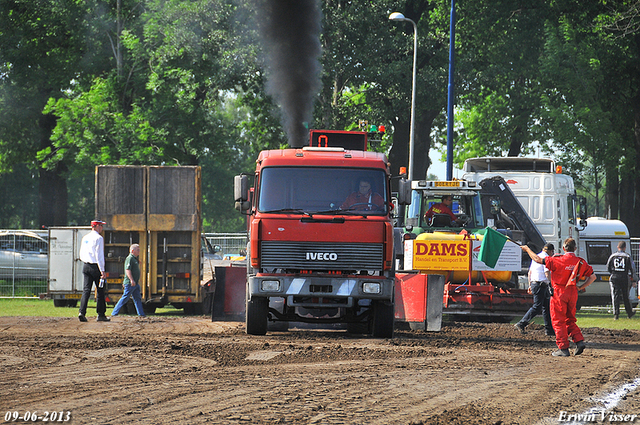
point(383, 316)
point(256, 316)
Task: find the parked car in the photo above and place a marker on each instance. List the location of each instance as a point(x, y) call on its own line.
point(210, 252)
point(23, 255)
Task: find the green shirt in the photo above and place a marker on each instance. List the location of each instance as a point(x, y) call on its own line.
point(131, 263)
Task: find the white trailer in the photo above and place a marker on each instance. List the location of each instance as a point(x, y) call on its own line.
point(65, 267)
point(597, 242)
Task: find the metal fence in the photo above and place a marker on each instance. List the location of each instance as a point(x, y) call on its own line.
point(231, 244)
point(24, 264)
point(635, 251)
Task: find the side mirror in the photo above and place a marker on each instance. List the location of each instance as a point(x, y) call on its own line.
point(241, 193)
point(583, 207)
point(582, 201)
point(404, 192)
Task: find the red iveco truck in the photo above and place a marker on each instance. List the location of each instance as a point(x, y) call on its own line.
point(320, 236)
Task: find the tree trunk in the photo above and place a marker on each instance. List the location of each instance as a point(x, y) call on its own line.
point(626, 202)
point(399, 153)
point(421, 161)
point(53, 198)
point(52, 189)
point(612, 191)
point(633, 223)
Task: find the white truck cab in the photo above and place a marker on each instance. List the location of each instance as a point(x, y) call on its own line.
point(547, 195)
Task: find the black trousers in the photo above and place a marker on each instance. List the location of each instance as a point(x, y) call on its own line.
point(541, 298)
point(91, 274)
point(620, 291)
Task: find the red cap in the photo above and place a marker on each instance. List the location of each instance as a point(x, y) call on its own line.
point(96, 222)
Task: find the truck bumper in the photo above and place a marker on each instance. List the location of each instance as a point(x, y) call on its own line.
point(332, 291)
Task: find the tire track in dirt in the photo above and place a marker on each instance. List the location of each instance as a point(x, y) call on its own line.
point(178, 370)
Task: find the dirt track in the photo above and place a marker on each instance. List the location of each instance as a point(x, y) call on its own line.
point(192, 370)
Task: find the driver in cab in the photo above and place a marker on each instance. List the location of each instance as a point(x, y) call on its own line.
point(444, 207)
point(364, 199)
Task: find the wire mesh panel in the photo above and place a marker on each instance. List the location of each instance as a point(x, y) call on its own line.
point(231, 244)
point(635, 251)
point(24, 264)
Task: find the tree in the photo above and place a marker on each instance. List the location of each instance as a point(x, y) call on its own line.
point(42, 52)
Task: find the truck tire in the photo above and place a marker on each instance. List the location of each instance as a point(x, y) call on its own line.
point(383, 317)
point(59, 303)
point(359, 328)
point(256, 316)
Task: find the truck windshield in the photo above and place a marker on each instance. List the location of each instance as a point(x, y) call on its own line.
point(466, 209)
point(326, 190)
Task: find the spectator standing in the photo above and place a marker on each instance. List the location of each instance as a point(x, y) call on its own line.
point(92, 254)
point(566, 270)
point(131, 282)
point(622, 271)
point(539, 287)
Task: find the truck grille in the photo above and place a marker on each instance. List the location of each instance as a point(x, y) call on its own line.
point(321, 256)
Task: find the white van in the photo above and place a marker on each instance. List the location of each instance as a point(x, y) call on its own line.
point(547, 195)
point(597, 242)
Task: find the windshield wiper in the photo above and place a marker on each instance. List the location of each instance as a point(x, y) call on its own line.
point(287, 210)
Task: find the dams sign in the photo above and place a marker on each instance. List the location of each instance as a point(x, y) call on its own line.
point(438, 255)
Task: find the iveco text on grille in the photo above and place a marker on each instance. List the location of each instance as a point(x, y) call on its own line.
point(322, 256)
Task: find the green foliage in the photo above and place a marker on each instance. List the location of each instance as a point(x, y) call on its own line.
point(183, 82)
point(19, 194)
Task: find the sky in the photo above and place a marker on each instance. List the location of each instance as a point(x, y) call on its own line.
point(438, 167)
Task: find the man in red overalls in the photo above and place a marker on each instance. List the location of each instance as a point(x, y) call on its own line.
point(566, 270)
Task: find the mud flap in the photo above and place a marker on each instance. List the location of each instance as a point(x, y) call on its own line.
point(435, 292)
point(418, 300)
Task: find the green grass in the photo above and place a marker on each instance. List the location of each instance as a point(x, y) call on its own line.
point(45, 308)
point(600, 317)
point(587, 318)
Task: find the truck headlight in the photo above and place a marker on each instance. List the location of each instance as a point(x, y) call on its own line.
point(371, 288)
point(270, 285)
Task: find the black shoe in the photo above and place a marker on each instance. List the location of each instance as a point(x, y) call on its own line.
point(561, 353)
point(82, 318)
point(547, 333)
point(579, 348)
point(633, 313)
point(103, 319)
point(519, 326)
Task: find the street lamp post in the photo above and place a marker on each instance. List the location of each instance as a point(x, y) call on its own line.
point(396, 16)
point(450, 98)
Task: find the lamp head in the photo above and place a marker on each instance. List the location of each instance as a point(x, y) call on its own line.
point(397, 16)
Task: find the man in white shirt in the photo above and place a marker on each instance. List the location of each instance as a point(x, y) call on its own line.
point(92, 254)
point(539, 287)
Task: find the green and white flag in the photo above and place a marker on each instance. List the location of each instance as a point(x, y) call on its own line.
point(491, 247)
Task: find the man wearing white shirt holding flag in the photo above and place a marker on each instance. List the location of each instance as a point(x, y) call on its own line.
point(539, 287)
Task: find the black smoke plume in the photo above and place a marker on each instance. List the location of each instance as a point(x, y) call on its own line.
point(290, 31)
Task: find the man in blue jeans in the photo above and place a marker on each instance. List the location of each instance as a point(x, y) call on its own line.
point(131, 282)
point(539, 288)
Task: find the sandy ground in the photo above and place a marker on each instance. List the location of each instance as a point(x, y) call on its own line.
point(192, 370)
